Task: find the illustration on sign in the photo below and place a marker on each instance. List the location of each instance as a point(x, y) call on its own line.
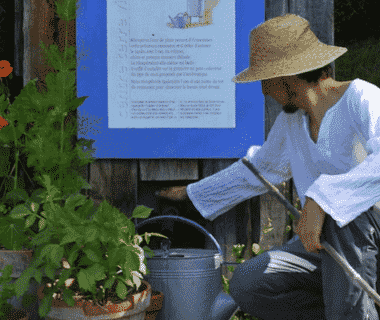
point(195, 9)
point(173, 74)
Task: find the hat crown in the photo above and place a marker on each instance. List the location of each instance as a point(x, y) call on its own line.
point(279, 37)
point(285, 46)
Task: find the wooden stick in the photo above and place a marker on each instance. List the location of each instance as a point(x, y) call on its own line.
point(356, 277)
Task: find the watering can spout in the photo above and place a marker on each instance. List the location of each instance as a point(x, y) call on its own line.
point(174, 22)
point(224, 307)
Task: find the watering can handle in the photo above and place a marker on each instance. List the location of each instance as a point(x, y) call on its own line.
point(188, 221)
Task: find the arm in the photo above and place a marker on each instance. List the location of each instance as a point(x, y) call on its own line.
point(220, 192)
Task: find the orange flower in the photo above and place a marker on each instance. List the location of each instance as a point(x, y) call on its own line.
point(5, 68)
point(5, 71)
point(3, 122)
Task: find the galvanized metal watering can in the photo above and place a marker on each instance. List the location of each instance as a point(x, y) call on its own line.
point(179, 21)
point(191, 279)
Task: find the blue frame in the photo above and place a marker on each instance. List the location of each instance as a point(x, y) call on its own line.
point(152, 143)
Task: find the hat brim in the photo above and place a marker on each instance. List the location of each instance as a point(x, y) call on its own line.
point(291, 66)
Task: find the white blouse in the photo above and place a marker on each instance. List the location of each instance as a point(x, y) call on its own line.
point(327, 171)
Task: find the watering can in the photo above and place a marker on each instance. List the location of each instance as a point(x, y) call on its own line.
point(191, 279)
point(179, 21)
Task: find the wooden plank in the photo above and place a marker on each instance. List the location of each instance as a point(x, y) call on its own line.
point(38, 26)
point(123, 187)
point(320, 15)
point(114, 181)
point(19, 43)
point(100, 179)
point(168, 169)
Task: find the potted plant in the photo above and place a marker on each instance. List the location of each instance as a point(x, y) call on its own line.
point(35, 141)
point(92, 260)
point(19, 141)
point(60, 224)
point(7, 311)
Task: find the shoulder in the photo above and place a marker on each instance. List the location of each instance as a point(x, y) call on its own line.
point(362, 87)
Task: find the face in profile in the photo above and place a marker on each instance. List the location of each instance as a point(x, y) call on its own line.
point(289, 107)
point(280, 91)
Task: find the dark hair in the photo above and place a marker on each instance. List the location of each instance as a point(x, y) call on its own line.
point(313, 76)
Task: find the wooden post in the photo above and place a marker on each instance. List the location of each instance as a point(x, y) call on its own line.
point(320, 14)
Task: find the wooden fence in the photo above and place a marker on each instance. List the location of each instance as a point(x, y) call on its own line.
point(126, 183)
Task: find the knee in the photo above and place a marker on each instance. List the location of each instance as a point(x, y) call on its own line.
point(248, 276)
point(243, 278)
point(245, 285)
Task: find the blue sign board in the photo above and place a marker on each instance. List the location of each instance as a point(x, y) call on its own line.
point(158, 74)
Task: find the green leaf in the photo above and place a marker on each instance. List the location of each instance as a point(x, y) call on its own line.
point(66, 10)
point(130, 260)
point(74, 201)
point(38, 275)
point(45, 305)
point(7, 271)
point(30, 220)
point(42, 224)
point(22, 283)
point(121, 290)
point(12, 233)
point(115, 257)
point(97, 271)
point(109, 283)
point(68, 297)
point(85, 280)
point(86, 211)
point(41, 238)
point(148, 251)
point(20, 211)
point(71, 236)
point(128, 227)
point(37, 196)
point(73, 256)
point(56, 254)
point(46, 250)
point(92, 255)
point(91, 234)
point(17, 195)
point(50, 271)
point(141, 212)
point(108, 213)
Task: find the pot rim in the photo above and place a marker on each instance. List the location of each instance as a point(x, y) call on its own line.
point(79, 297)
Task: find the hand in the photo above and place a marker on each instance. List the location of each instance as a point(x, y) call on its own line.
point(174, 193)
point(309, 228)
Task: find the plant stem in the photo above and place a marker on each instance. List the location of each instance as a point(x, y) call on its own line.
point(63, 94)
point(16, 170)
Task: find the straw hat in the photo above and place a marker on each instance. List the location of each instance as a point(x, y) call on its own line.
point(285, 46)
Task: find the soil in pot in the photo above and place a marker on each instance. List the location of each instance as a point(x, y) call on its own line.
point(17, 315)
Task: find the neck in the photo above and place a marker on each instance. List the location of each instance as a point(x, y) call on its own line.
point(321, 98)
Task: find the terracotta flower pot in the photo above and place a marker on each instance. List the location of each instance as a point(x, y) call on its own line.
point(133, 308)
point(155, 305)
